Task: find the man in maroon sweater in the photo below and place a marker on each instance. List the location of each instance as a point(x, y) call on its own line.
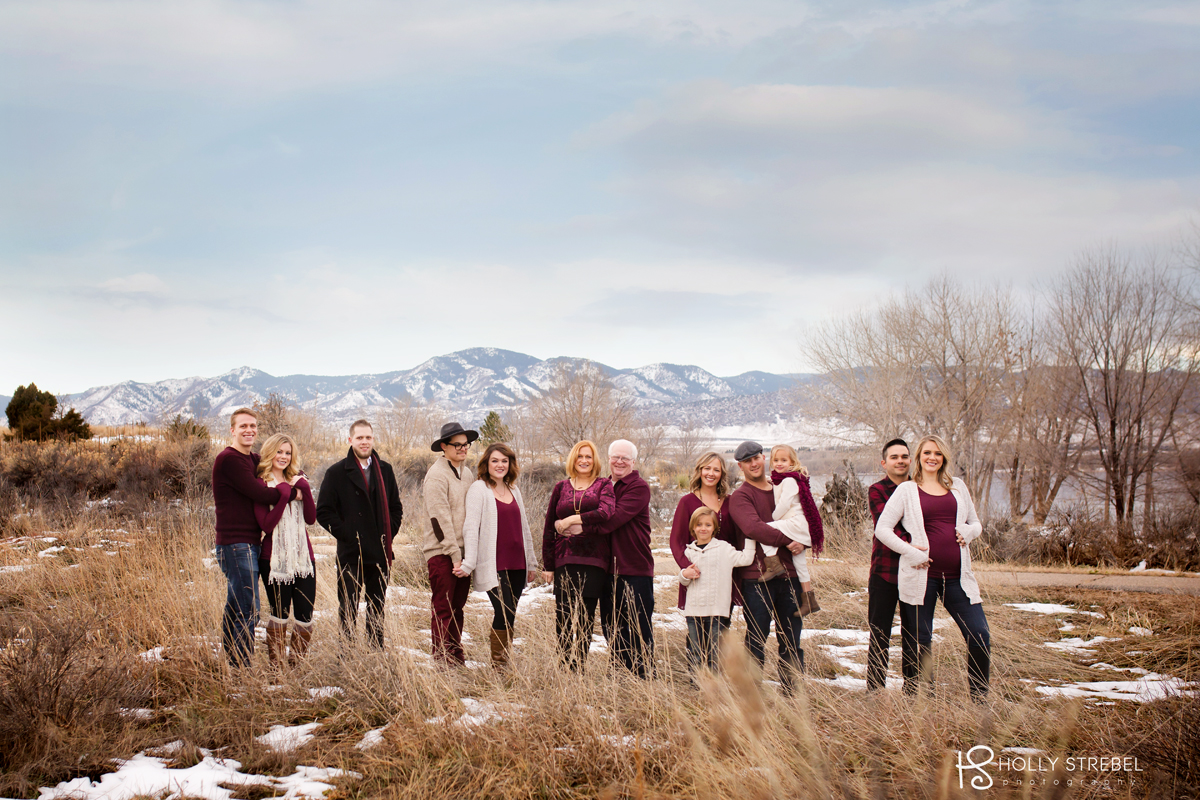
point(236, 489)
point(883, 590)
point(751, 508)
point(627, 616)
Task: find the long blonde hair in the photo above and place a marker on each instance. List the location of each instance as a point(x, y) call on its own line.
point(792, 454)
point(696, 484)
point(267, 461)
point(945, 472)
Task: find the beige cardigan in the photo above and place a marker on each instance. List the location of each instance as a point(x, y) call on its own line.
point(905, 504)
point(445, 509)
point(479, 536)
point(711, 595)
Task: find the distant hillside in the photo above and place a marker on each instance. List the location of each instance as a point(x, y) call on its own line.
point(470, 382)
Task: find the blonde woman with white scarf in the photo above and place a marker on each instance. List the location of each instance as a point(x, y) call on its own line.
point(287, 564)
point(938, 511)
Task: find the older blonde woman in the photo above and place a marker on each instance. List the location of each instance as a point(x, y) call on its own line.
point(577, 562)
point(498, 547)
point(937, 510)
point(287, 564)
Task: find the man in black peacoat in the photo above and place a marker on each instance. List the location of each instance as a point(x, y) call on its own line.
point(359, 504)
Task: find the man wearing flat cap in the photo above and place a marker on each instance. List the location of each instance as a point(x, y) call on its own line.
point(751, 509)
point(445, 489)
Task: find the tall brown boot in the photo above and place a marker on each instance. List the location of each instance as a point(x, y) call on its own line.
point(301, 636)
point(276, 642)
point(805, 606)
point(500, 641)
point(812, 601)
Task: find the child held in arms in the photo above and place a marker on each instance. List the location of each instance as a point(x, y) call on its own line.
point(797, 518)
point(710, 585)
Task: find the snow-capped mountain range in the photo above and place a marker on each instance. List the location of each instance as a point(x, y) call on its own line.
point(471, 382)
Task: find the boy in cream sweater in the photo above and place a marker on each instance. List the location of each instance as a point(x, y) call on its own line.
point(710, 585)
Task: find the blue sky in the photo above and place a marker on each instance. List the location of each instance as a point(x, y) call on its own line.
point(355, 186)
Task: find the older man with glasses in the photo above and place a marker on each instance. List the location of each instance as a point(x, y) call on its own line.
point(626, 616)
point(445, 490)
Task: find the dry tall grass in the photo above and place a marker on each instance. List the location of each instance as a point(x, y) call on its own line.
point(72, 628)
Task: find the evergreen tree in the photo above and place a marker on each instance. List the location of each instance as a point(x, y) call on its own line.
point(31, 417)
point(493, 430)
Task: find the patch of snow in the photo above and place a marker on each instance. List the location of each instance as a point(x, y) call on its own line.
point(148, 776)
point(671, 621)
point(372, 738)
point(288, 738)
point(1149, 687)
point(14, 568)
point(479, 712)
point(323, 692)
point(140, 714)
point(153, 654)
point(1137, 630)
point(1052, 608)
point(1135, 670)
point(1077, 645)
point(848, 634)
point(50, 552)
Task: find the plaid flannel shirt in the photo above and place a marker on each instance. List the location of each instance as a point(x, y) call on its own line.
point(885, 562)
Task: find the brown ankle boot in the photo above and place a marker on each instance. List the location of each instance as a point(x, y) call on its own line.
point(301, 636)
point(276, 642)
point(805, 607)
point(772, 568)
point(500, 642)
point(812, 601)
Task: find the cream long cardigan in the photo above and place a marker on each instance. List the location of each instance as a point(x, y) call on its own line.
point(905, 504)
point(479, 536)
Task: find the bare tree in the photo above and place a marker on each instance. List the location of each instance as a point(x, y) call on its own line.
point(581, 403)
point(1126, 329)
point(929, 362)
point(691, 440)
point(408, 425)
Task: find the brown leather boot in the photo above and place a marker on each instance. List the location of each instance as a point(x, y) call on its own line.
point(276, 642)
point(805, 607)
point(811, 599)
point(301, 636)
point(772, 568)
point(500, 641)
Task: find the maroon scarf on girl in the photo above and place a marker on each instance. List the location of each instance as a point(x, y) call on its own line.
point(816, 530)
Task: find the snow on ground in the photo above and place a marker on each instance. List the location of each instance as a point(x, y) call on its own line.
point(1052, 608)
point(532, 598)
point(1140, 631)
point(673, 620)
point(1077, 645)
point(288, 738)
point(1150, 686)
point(372, 738)
point(323, 692)
point(153, 654)
point(598, 644)
point(480, 712)
point(148, 776)
point(14, 568)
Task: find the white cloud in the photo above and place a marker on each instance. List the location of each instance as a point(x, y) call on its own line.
point(141, 283)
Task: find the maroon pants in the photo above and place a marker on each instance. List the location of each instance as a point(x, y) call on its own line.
point(449, 597)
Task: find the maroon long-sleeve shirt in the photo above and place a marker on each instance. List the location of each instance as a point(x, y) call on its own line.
point(628, 527)
point(235, 491)
point(268, 518)
point(750, 509)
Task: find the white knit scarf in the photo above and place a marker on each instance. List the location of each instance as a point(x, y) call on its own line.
point(289, 542)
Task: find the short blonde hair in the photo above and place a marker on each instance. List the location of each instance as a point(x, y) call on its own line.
point(574, 455)
point(945, 472)
point(696, 483)
point(792, 454)
point(267, 456)
point(698, 514)
point(249, 412)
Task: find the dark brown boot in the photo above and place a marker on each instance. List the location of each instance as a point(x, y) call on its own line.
point(276, 642)
point(811, 599)
point(301, 636)
point(805, 607)
point(499, 641)
point(772, 568)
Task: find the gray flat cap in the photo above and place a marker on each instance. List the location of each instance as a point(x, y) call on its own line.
point(746, 451)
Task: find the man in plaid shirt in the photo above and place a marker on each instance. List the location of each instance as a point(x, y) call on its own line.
point(883, 591)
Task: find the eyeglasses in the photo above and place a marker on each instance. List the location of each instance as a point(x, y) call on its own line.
point(457, 446)
point(620, 459)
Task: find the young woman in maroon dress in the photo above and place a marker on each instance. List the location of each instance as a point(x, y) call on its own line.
point(578, 563)
point(709, 487)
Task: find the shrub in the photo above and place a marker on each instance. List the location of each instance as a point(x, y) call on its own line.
point(31, 416)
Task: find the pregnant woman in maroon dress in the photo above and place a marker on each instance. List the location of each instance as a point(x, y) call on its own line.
point(938, 511)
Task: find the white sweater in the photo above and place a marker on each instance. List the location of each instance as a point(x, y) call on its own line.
point(905, 505)
point(479, 536)
point(711, 595)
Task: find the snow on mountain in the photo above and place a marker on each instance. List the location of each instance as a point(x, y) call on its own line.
point(469, 381)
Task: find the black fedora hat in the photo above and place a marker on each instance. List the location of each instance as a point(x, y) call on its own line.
point(452, 429)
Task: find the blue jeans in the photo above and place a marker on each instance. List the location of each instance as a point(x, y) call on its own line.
point(972, 623)
point(704, 636)
point(778, 599)
point(239, 562)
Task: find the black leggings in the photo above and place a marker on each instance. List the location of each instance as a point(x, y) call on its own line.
point(505, 598)
point(297, 597)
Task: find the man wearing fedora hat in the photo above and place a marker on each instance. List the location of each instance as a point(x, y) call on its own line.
point(360, 505)
point(445, 490)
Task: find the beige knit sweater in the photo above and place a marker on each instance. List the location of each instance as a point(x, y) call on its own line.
point(445, 509)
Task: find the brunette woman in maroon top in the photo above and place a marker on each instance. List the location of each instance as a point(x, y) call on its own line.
point(709, 487)
point(497, 544)
point(577, 562)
